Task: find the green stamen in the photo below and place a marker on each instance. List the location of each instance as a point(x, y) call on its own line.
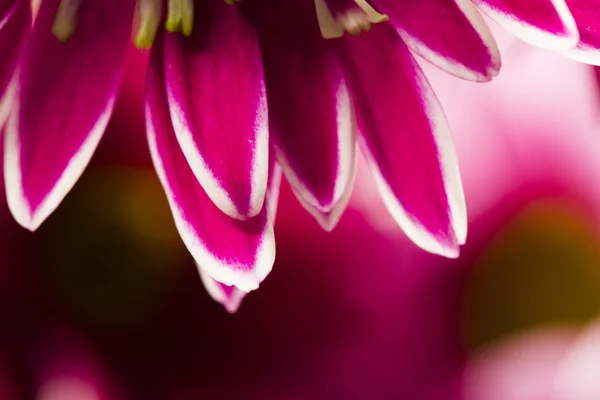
point(65, 20)
point(180, 16)
point(150, 13)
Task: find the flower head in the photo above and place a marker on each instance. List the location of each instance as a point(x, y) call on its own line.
point(237, 91)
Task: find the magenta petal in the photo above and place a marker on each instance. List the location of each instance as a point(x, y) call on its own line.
point(65, 94)
point(311, 119)
point(229, 297)
point(233, 252)
point(587, 17)
point(406, 140)
point(449, 33)
point(216, 95)
point(544, 23)
point(15, 22)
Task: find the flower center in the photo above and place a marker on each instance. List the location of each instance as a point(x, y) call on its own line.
point(335, 17)
point(339, 16)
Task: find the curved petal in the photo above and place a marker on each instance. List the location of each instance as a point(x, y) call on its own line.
point(15, 22)
point(311, 122)
point(231, 297)
point(65, 94)
point(587, 17)
point(451, 34)
point(406, 140)
point(217, 99)
point(544, 23)
point(577, 378)
point(233, 252)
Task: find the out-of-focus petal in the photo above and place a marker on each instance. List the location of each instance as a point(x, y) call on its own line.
point(406, 139)
point(578, 377)
point(544, 23)
point(587, 17)
point(218, 106)
point(15, 22)
point(311, 120)
point(449, 33)
point(231, 251)
point(64, 96)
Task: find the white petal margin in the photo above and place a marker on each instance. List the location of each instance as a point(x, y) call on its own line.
point(480, 26)
point(450, 174)
point(205, 176)
point(231, 301)
point(346, 152)
point(532, 34)
point(15, 196)
point(328, 220)
point(584, 54)
point(230, 275)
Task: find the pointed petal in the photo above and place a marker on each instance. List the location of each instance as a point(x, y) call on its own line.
point(587, 17)
point(231, 297)
point(544, 23)
point(451, 34)
point(311, 120)
point(64, 98)
point(406, 140)
point(233, 252)
point(217, 99)
point(15, 23)
point(328, 220)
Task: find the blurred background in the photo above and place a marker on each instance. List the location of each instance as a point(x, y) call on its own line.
point(104, 301)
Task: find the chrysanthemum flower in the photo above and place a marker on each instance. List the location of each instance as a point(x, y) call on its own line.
point(235, 91)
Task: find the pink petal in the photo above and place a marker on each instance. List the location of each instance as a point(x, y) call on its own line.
point(587, 17)
point(217, 99)
point(449, 33)
point(544, 23)
point(231, 297)
point(311, 120)
point(578, 375)
point(64, 97)
point(406, 140)
point(15, 22)
point(234, 252)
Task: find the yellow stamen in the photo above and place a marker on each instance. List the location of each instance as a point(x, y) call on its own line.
point(150, 14)
point(232, 2)
point(65, 20)
point(354, 21)
point(180, 16)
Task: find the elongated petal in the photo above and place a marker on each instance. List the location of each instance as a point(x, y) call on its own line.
point(65, 94)
point(587, 17)
point(406, 140)
point(217, 100)
point(544, 23)
point(311, 120)
point(233, 252)
point(449, 33)
point(329, 219)
point(15, 23)
point(231, 297)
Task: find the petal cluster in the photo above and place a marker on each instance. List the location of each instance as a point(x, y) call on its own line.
point(249, 92)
